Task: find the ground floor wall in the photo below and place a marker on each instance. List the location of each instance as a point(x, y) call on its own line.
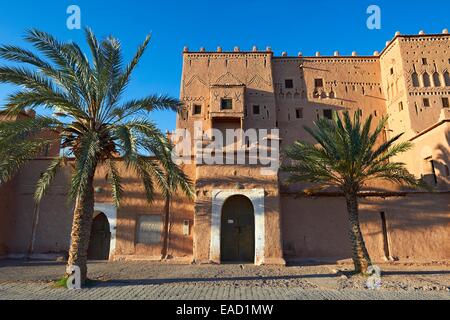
point(416, 227)
point(412, 226)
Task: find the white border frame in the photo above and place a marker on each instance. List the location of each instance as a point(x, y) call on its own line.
point(219, 197)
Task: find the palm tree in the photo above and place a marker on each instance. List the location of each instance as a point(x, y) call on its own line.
point(347, 156)
point(92, 122)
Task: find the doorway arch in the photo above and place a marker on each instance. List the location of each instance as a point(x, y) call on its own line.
point(219, 197)
point(238, 230)
point(100, 240)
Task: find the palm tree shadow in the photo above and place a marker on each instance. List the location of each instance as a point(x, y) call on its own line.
point(223, 280)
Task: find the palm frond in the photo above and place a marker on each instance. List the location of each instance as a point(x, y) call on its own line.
point(115, 181)
point(47, 177)
point(347, 155)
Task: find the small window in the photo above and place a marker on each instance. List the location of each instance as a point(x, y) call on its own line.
point(445, 103)
point(392, 71)
point(328, 113)
point(299, 113)
point(375, 113)
point(226, 104)
point(447, 171)
point(360, 112)
point(426, 102)
point(424, 61)
point(197, 109)
point(400, 106)
point(289, 83)
point(256, 109)
point(318, 83)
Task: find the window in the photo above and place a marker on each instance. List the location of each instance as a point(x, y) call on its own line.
point(328, 113)
point(289, 83)
point(149, 229)
point(424, 61)
point(429, 171)
point(426, 102)
point(226, 104)
point(445, 103)
point(400, 106)
point(299, 113)
point(318, 83)
point(415, 80)
point(426, 80)
point(392, 70)
point(436, 79)
point(433, 171)
point(256, 109)
point(447, 79)
point(197, 109)
point(360, 112)
point(447, 171)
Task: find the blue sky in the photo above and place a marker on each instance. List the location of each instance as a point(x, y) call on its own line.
point(291, 26)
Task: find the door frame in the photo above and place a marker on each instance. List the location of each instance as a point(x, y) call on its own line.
point(110, 211)
point(219, 197)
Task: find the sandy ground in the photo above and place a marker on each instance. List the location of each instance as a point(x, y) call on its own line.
point(395, 276)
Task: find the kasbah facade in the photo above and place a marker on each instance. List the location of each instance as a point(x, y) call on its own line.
point(242, 215)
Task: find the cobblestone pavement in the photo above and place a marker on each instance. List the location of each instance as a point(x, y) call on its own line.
point(119, 291)
point(161, 281)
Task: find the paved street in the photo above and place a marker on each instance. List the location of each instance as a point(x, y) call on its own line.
point(136, 291)
point(160, 281)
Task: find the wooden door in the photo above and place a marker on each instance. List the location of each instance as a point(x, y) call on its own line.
point(238, 231)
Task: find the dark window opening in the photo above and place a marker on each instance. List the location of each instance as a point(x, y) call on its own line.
point(400, 106)
point(392, 70)
point(318, 83)
point(289, 83)
point(226, 104)
point(430, 171)
point(256, 109)
point(445, 103)
point(447, 171)
point(299, 113)
point(426, 80)
point(426, 102)
point(328, 113)
point(197, 109)
point(415, 80)
point(424, 61)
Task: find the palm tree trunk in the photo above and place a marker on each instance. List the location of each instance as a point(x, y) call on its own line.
point(361, 258)
point(81, 229)
point(165, 250)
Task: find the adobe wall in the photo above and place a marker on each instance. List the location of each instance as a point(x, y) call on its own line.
point(202, 71)
point(417, 227)
point(7, 209)
point(349, 83)
point(55, 214)
point(220, 177)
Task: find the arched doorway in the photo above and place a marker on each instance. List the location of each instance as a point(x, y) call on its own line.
point(238, 230)
point(100, 241)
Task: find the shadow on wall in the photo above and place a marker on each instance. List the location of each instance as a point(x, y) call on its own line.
point(444, 158)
